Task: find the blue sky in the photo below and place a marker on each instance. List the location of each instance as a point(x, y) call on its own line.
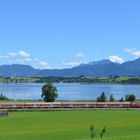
point(65, 33)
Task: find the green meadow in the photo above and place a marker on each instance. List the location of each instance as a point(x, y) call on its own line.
point(70, 125)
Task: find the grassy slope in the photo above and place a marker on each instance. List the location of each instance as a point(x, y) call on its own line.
point(121, 125)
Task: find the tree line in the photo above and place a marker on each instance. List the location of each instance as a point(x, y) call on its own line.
point(79, 79)
point(128, 97)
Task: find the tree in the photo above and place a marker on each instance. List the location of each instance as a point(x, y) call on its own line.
point(2, 97)
point(49, 93)
point(98, 99)
point(112, 99)
point(102, 98)
point(121, 100)
point(130, 98)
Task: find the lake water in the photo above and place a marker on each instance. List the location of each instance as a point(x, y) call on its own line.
point(69, 91)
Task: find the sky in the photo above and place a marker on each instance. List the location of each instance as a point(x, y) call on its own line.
point(65, 33)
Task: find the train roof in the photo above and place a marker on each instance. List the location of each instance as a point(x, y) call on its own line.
point(64, 102)
point(113, 102)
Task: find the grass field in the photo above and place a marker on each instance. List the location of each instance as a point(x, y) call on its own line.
point(70, 125)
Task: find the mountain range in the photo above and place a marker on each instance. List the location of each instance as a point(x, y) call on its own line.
point(97, 68)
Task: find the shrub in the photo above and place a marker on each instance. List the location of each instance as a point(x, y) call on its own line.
point(102, 98)
point(2, 97)
point(130, 98)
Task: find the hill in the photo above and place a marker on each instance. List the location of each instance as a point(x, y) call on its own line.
point(97, 68)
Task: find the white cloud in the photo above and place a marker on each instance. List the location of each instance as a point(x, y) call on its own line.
point(80, 55)
point(23, 54)
point(28, 60)
point(18, 61)
point(71, 64)
point(133, 51)
point(4, 56)
point(44, 65)
point(116, 59)
point(41, 64)
point(19, 53)
point(22, 57)
point(12, 54)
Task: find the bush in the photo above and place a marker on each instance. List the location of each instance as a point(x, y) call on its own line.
point(2, 97)
point(112, 99)
point(102, 98)
point(121, 100)
point(130, 98)
point(92, 131)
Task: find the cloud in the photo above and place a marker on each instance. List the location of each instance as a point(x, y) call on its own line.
point(71, 64)
point(23, 54)
point(12, 54)
point(4, 56)
point(44, 65)
point(19, 53)
point(20, 61)
point(22, 57)
point(28, 60)
point(41, 64)
point(80, 55)
point(116, 59)
point(133, 51)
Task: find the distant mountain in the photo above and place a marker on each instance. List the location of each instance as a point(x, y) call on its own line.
point(132, 67)
point(98, 68)
point(101, 62)
point(17, 70)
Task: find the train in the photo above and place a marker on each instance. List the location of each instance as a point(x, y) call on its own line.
point(46, 105)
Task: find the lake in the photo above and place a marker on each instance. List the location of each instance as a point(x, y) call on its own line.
point(68, 91)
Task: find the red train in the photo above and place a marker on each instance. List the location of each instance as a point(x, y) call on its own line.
point(43, 105)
